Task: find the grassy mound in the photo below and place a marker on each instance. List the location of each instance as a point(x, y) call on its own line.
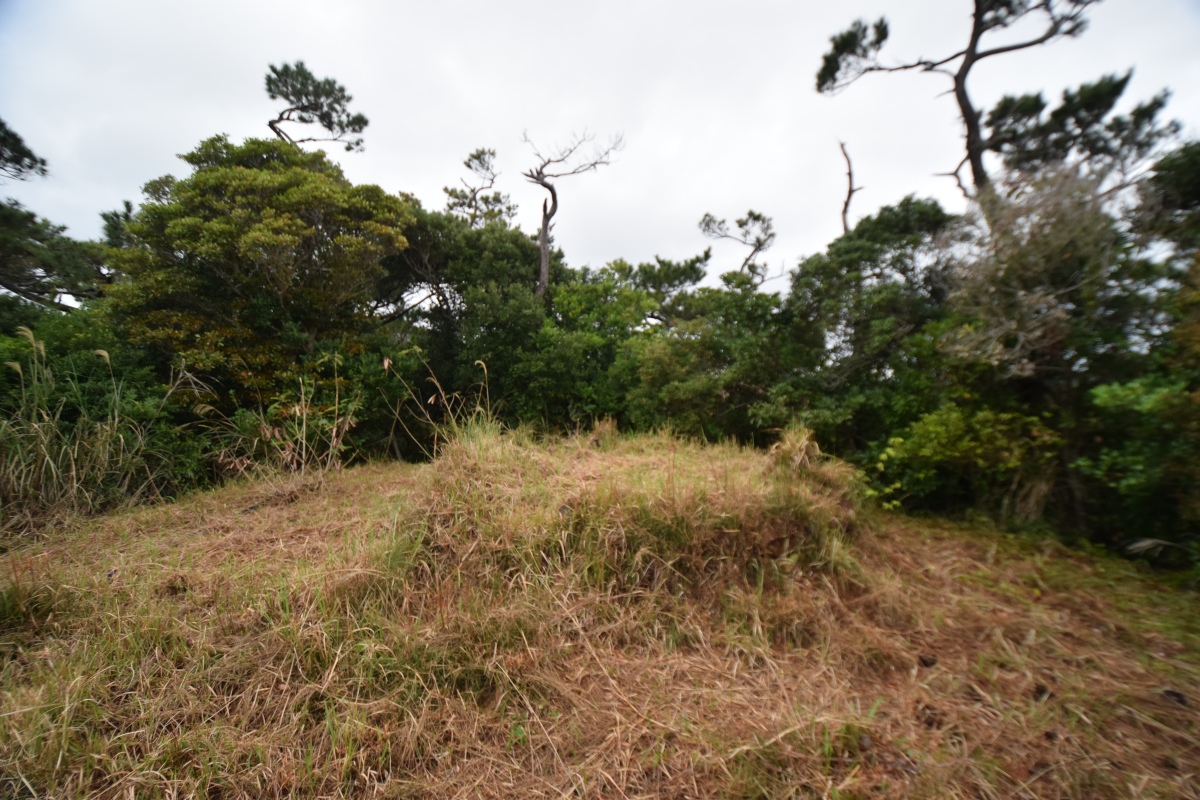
point(598, 617)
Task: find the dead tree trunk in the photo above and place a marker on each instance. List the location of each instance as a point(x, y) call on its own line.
point(549, 209)
point(558, 165)
point(850, 189)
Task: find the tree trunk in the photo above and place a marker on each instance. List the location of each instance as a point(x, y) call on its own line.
point(970, 116)
point(549, 209)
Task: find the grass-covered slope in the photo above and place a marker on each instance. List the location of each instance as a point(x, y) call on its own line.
point(597, 617)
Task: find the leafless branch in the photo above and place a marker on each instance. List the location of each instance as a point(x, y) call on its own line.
point(562, 156)
point(956, 173)
point(558, 164)
point(850, 188)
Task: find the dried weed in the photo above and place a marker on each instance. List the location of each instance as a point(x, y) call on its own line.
point(638, 617)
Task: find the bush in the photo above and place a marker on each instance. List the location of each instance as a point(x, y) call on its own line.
point(956, 457)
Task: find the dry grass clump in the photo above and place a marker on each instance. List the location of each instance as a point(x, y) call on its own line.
point(641, 515)
point(615, 617)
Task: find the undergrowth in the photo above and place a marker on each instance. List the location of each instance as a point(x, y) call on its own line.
point(70, 451)
point(61, 459)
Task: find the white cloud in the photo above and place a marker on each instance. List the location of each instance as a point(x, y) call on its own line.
point(716, 101)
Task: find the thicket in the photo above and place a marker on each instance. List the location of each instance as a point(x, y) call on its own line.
point(1037, 358)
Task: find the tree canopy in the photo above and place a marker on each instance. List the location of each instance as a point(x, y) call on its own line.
point(41, 265)
point(854, 53)
point(239, 269)
point(311, 100)
point(16, 159)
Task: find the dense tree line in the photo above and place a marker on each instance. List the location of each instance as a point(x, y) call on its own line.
point(1037, 358)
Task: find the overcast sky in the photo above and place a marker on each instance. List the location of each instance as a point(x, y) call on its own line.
point(715, 100)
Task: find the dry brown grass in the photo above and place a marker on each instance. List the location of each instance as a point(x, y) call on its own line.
point(597, 617)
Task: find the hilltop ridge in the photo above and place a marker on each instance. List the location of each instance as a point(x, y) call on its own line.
point(597, 616)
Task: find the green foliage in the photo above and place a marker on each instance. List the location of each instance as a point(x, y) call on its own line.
point(116, 226)
point(70, 342)
point(240, 270)
point(377, 378)
point(1049, 286)
point(41, 265)
point(466, 294)
point(1037, 358)
point(957, 456)
point(860, 316)
point(1048, 300)
point(708, 373)
point(1081, 128)
point(17, 161)
point(1147, 429)
point(305, 431)
point(500, 324)
point(663, 280)
point(474, 203)
point(851, 53)
point(70, 446)
point(17, 313)
point(310, 100)
point(755, 230)
point(1148, 461)
point(1171, 198)
point(447, 257)
point(571, 375)
point(38, 264)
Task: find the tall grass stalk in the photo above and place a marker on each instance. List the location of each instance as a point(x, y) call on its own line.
point(293, 435)
point(60, 458)
point(443, 417)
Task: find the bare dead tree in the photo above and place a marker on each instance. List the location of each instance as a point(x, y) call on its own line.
point(563, 162)
point(850, 188)
point(853, 54)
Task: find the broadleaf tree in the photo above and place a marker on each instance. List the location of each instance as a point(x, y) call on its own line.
point(240, 270)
